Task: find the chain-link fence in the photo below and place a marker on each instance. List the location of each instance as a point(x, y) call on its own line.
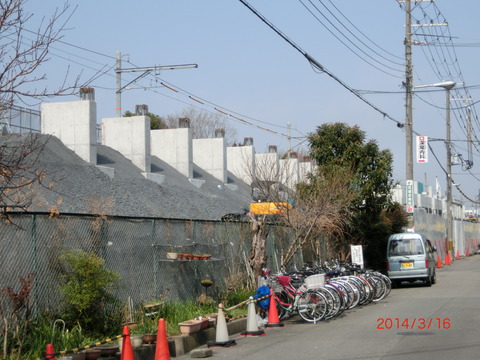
point(136, 250)
point(133, 248)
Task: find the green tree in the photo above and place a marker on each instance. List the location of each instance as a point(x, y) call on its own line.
point(344, 146)
point(88, 288)
point(156, 121)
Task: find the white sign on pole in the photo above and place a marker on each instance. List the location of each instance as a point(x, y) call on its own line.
point(409, 202)
point(422, 149)
point(357, 254)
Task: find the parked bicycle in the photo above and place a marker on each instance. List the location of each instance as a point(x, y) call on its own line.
point(325, 292)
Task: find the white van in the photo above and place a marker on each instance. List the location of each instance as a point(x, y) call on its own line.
point(410, 257)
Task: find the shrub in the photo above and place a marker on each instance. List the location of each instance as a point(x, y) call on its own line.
point(88, 288)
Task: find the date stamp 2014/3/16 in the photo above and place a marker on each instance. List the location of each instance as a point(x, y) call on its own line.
point(413, 323)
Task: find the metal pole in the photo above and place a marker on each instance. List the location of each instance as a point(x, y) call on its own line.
point(449, 174)
point(145, 70)
point(118, 93)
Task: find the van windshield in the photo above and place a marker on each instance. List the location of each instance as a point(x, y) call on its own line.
point(405, 247)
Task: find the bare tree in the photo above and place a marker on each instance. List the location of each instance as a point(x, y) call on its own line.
point(203, 124)
point(316, 207)
point(273, 181)
point(320, 213)
point(23, 52)
point(18, 173)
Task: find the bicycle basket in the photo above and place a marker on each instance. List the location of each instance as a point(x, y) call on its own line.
point(284, 280)
point(273, 283)
point(315, 281)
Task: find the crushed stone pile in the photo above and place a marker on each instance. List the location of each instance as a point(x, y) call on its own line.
point(82, 188)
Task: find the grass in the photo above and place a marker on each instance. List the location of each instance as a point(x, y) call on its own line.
point(176, 312)
point(173, 312)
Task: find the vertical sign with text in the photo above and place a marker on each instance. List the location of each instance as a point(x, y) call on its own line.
point(409, 202)
point(357, 254)
point(422, 149)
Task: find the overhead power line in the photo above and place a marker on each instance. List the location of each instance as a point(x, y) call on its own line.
point(317, 65)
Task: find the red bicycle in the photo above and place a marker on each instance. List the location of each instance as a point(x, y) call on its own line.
point(310, 305)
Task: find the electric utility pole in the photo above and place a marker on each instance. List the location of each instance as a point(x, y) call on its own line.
point(408, 90)
point(408, 115)
point(145, 72)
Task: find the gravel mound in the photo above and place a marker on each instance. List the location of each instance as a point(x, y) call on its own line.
point(81, 188)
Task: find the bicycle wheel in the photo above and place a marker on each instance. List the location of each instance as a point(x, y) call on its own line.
point(311, 306)
point(379, 285)
point(354, 292)
point(338, 299)
point(345, 291)
point(333, 301)
point(386, 280)
point(284, 302)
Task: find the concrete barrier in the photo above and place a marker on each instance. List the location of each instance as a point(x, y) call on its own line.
point(183, 344)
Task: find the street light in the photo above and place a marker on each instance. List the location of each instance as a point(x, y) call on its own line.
point(447, 85)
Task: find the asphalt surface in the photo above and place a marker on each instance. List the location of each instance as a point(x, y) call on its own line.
point(414, 322)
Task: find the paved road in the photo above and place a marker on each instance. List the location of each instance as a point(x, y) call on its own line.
point(449, 330)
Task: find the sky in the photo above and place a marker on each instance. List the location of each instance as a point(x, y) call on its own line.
point(248, 71)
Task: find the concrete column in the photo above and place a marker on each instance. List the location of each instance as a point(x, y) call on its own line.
point(174, 146)
point(306, 167)
point(267, 165)
point(289, 171)
point(131, 137)
point(241, 161)
point(74, 123)
point(211, 156)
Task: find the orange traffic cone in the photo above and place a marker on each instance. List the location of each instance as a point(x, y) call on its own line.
point(439, 262)
point(273, 320)
point(467, 253)
point(448, 259)
point(457, 257)
point(221, 335)
point(162, 351)
point(127, 350)
point(50, 352)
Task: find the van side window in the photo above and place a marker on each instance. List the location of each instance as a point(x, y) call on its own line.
point(403, 247)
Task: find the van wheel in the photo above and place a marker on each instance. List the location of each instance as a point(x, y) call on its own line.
point(428, 282)
point(434, 277)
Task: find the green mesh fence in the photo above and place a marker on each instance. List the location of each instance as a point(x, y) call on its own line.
point(133, 248)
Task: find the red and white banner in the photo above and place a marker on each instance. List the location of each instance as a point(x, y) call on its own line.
point(422, 149)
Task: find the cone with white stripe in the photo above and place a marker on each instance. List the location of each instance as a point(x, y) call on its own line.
point(221, 336)
point(252, 325)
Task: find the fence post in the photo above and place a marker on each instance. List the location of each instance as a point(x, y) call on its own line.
point(155, 260)
point(35, 264)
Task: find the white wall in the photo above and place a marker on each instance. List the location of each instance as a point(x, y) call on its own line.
point(289, 172)
point(74, 123)
point(131, 137)
point(267, 166)
point(174, 146)
point(241, 162)
point(211, 156)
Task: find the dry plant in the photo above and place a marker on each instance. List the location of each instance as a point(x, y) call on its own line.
point(18, 173)
point(258, 250)
point(203, 124)
point(273, 180)
point(15, 319)
point(23, 52)
point(321, 210)
point(101, 207)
